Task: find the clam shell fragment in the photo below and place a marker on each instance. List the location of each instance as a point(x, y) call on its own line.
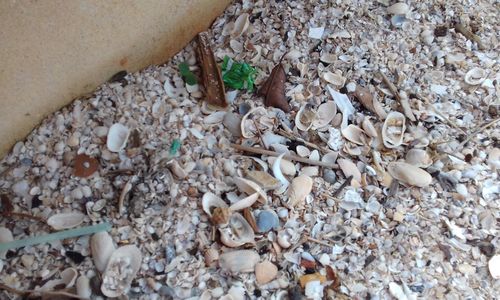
point(101, 247)
point(409, 174)
point(238, 232)
point(393, 129)
point(65, 220)
point(299, 189)
point(475, 76)
point(120, 271)
point(117, 137)
point(240, 261)
point(209, 201)
point(419, 158)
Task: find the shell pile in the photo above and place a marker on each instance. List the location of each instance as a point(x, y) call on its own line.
point(380, 182)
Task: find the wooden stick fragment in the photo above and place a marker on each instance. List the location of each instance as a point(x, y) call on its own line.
point(298, 139)
point(482, 128)
point(403, 101)
point(289, 157)
point(310, 239)
point(469, 35)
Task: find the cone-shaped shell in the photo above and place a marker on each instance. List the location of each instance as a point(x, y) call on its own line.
point(409, 174)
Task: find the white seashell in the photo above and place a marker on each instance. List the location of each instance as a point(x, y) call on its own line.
point(5, 237)
point(232, 122)
point(349, 168)
point(83, 287)
point(314, 155)
point(324, 115)
point(248, 129)
point(303, 151)
point(65, 220)
point(475, 76)
point(393, 129)
point(237, 292)
point(354, 134)
point(409, 174)
point(279, 175)
point(419, 158)
point(328, 58)
point(336, 79)
point(120, 271)
point(310, 171)
point(397, 291)
point(101, 247)
point(117, 137)
point(284, 238)
point(305, 117)
point(244, 203)
point(399, 8)
point(494, 266)
point(369, 128)
point(330, 157)
point(240, 25)
point(211, 257)
point(301, 187)
point(240, 261)
point(316, 32)
point(264, 179)
point(237, 232)
point(209, 201)
point(68, 278)
point(344, 105)
point(287, 167)
point(214, 118)
point(249, 187)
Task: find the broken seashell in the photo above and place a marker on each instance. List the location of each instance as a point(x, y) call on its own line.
point(65, 220)
point(354, 134)
point(266, 181)
point(238, 232)
point(328, 58)
point(399, 8)
point(284, 238)
point(267, 220)
point(240, 25)
point(369, 128)
point(210, 201)
point(68, 279)
point(336, 79)
point(324, 115)
point(305, 117)
point(244, 203)
point(232, 122)
point(475, 76)
point(310, 171)
point(286, 166)
point(330, 157)
point(249, 187)
point(279, 175)
point(220, 215)
point(265, 272)
point(214, 118)
point(349, 169)
point(101, 247)
point(240, 261)
point(393, 129)
point(248, 129)
point(419, 158)
point(211, 257)
point(5, 237)
point(409, 174)
point(301, 187)
point(344, 105)
point(83, 287)
point(303, 151)
point(120, 271)
point(494, 266)
point(117, 137)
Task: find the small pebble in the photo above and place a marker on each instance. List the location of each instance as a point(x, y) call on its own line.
point(283, 213)
point(20, 188)
point(329, 176)
point(267, 220)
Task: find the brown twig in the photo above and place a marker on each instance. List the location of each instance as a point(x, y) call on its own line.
point(24, 215)
point(472, 135)
point(403, 101)
point(289, 157)
point(310, 239)
point(342, 186)
point(34, 292)
point(469, 35)
point(298, 139)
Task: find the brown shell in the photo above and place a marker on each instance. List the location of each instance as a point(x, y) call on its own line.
point(84, 165)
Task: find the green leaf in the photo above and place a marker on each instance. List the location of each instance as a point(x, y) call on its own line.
point(186, 73)
point(238, 75)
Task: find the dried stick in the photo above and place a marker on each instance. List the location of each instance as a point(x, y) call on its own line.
point(310, 239)
point(289, 157)
point(24, 215)
point(472, 135)
point(403, 101)
point(298, 139)
point(34, 292)
point(469, 35)
point(342, 186)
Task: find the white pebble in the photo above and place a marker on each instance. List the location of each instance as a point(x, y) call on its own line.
point(52, 165)
point(324, 259)
point(77, 194)
point(20, 188)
